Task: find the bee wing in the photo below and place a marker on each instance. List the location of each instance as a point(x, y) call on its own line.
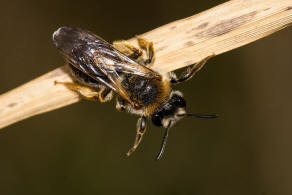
point(98, 59)
point(113, 78)
point(113, 59)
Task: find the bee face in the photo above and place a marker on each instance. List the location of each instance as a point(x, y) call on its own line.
point(170, 112)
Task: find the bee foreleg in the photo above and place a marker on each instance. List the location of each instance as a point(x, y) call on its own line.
point(190, 72)
point(84, 91)
point(141, 129)
point(127, 49)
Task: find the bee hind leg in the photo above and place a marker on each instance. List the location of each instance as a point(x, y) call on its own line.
point(190, 72)
point(135, 53)
point(128, 49)
point(141, 129)
point(149, 48)
point(103, 95)
point(83, 91)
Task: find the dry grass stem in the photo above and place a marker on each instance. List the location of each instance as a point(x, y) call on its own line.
point(178, 44)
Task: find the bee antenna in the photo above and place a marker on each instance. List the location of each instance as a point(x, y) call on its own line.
point(206, 116)
point(164, 140)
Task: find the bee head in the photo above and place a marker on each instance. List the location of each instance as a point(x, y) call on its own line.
point(170, 113)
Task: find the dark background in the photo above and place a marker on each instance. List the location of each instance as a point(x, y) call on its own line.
point(80, 149)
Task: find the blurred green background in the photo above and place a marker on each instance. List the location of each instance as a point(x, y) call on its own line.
point(80, 149)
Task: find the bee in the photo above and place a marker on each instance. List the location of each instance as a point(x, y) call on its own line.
point(100, 70)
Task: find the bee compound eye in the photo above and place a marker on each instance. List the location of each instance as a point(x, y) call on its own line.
point(182, 102)
point(156, 119)
point(179, 101)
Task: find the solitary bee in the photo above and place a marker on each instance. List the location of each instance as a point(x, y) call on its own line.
point(100, 69)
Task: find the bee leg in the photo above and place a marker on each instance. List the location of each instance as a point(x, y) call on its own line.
point(141, 129)
point(135, 53)
point(148, 47)
point(190, 72)
point(121, 104)
point(127, 49)
point(105, 94)
point(84, 91)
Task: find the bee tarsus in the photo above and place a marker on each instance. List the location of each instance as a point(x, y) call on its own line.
point(141, 129)
point(190, 72)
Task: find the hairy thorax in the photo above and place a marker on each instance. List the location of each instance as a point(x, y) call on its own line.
point(148, 93)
